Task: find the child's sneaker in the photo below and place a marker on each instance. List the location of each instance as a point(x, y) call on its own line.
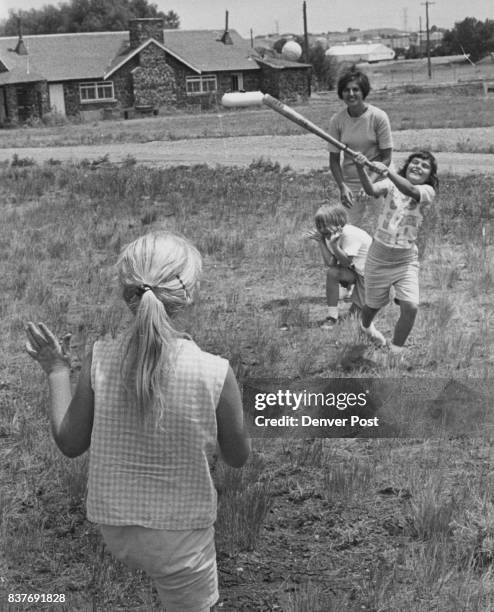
point(374, 334)
point(329, 323)
point(395, 356)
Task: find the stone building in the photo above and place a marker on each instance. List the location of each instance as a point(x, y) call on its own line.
point(146, 68)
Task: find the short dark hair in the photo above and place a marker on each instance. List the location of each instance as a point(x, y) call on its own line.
point(352, 74)
point(432, 180)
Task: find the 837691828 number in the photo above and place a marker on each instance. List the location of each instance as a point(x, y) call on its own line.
point(36, 598)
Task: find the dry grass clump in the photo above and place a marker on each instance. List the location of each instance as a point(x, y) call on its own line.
point(245, 498)
point(413, 505)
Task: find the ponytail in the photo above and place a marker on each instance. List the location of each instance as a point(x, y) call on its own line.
point(158, 273)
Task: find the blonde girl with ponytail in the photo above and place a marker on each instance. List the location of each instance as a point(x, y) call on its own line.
point(150, 406)
point(158, 274)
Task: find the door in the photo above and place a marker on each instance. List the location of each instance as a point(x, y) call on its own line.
point(237, 81)
point(57, 100)
point(24, 96)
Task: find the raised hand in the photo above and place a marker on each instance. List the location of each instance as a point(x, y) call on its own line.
point(380, 168)
point(360, 159)
point(312, 234)
point(335, 236)
point(45, 348)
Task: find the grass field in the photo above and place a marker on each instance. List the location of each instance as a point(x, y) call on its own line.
point(409, 108)
point(324, 525)
point(415, 72)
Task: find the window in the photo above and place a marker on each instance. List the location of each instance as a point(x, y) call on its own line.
point(200, 84)
point(98, 90)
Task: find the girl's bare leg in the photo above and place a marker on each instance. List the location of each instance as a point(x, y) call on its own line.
point(403, 327)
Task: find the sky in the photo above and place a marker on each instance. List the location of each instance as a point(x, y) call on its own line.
point(270, 16)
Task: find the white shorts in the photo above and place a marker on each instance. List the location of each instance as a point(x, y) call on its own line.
point(182, 564)
point(387, 267)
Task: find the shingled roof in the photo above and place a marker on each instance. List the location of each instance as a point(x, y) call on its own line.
point(281, 63)
point(62, 57)
point(204, 50)
point(86, 55)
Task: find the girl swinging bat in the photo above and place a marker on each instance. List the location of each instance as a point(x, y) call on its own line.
point(392, 260)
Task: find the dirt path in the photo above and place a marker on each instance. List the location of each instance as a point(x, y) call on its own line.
point(302, 153)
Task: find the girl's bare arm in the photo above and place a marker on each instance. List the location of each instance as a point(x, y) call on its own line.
point(74, 431)
point(404, 185)
point(232, 436)
point(340, 254)
point(370, 188)
point(71, 418)
point(337, 172)
point(328, 257)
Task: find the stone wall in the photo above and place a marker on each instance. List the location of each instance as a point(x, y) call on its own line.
point(3, 110)
point(72, 98)
point(142, 29)
point(287, 84)
point(295, 84)
point(180, 72)
point(43, 97)
point(154, 80)
point(251, 82)
point(145, 79)
point(73, 105)
point(11, 104)
point(123, 84)
point(34, 99)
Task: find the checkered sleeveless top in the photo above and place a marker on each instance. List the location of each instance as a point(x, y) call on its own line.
point(140, 475)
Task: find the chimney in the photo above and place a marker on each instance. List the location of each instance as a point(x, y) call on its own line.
point(226, 39)
point(20, 48)
point(141, 30)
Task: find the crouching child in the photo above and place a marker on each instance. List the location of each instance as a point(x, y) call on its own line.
point(344, 250)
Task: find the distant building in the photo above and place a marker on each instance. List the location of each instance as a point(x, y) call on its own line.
point(94, 74)
point(391, 37)
point(361, 52)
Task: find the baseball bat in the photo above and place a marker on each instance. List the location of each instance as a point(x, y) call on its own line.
point(256, 98)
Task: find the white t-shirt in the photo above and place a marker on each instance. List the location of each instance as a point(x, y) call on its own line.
point(355, 242)
point(400, 215)
point(368, 134)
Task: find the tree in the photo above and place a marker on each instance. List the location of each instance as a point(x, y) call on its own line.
point(172, 20)
point(85, 16)
point(469, 36)
point(323, 67)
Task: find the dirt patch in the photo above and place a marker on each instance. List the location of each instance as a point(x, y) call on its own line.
point(302, 153)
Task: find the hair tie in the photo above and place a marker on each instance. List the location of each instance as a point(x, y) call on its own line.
point(177, 276)
point(141, 290)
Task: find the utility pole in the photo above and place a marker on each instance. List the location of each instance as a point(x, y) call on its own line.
point(306, 46)
point(420, 36)
point(429, 68)
point(306, 35)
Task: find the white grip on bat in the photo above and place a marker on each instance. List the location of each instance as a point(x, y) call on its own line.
point(239, 99)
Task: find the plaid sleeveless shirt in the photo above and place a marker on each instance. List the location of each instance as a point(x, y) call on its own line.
point(156, 478)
